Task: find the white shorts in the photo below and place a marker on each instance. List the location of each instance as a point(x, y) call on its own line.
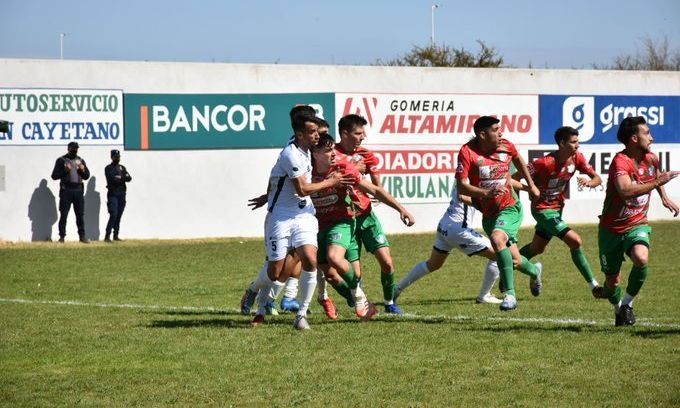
point(452, 235)
point(282, 234)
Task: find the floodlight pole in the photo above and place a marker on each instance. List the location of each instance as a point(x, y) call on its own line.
point(434, 6)
point(61, 45)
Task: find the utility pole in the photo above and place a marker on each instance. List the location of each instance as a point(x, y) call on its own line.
point(434, 6)
point(61, 45)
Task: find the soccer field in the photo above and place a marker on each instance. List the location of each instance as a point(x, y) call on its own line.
point(157, 323)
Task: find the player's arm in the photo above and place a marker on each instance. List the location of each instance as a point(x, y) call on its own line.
point(465, 199)
point(304, 188)
point(585, 168)
point(465, 188)
point(517, 185)
point(627, 189)
point(521, 166)
point(258, 202)
point(385, 197)
point(667, 202)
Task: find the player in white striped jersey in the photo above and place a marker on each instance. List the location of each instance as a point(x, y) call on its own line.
point(290, 222)
point(455, 231)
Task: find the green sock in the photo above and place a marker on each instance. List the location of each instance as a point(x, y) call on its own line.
point(344, 290)
point(636, 279)
point(504, 259)
point(351, 278)
point(579, 259)
point(387, 280)
point(527, 268)
point(613, 295)
point(527, 252)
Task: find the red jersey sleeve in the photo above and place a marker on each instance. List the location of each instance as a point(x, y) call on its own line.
point(464, 162)
point(583, 166)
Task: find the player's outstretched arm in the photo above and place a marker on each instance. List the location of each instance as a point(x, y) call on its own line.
point(626, 189)
point(385, 197)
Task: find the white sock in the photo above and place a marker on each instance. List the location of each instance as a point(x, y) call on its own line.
point(274, 290)
point(360, 297)
point(627, 300)
point(593, 284)
point(290, 291)
point(416, 273)
point(262, 281)
point(490, 275)
point(617, 307)
point(261, 275)
point(263, 297)
point(307, 287)
point(321, 285)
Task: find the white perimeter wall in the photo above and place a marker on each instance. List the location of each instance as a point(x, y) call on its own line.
point(191, 194)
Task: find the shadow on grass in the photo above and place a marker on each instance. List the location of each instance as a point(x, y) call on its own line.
point(239, 321)
point(438, 301)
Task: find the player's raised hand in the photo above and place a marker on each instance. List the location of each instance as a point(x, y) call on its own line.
point(582, 182)
point(257, 202)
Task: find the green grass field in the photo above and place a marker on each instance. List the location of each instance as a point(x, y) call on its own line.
point(154, 323)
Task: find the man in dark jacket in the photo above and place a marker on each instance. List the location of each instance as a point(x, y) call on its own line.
point(70, 169)
point(116, 177)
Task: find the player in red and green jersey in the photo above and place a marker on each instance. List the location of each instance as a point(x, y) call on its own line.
point(335, 210)
point(633, 174)
point(552, 173)
point(369, 230)
point(483, 173)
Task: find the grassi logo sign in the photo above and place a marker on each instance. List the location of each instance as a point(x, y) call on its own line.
point(214, 121)
point(430, 119)
point(597, 117)
point(48, 117)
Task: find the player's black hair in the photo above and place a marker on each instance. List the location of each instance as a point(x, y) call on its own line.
point(301, 118)
point(483, 123)
point(348, 122)
point(326, 140)
point(629, 127)
point(565, 133)
point(297, 109)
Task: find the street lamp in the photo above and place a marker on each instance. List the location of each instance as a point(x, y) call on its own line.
point(61, 45)
point(434, 6)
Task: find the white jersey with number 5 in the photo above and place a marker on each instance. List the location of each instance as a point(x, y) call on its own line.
point(282, 199)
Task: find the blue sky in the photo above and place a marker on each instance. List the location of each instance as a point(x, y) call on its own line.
point(543, 33)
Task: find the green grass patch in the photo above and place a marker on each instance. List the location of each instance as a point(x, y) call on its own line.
point(155, 323)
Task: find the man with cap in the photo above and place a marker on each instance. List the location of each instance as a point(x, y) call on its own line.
point(116, 177)
point(70, 169)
